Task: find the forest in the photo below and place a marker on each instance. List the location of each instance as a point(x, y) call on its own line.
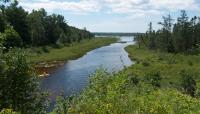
point(22, 29)
point(175, 36)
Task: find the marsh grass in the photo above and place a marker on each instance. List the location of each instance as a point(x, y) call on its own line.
point(169, 65)
point(75, 50)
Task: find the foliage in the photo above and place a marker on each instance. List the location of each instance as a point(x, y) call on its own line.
point(8, 111)
point(154, 78)
point(112, 93)
point(169, 65)
point(2, 22)
point(19, 24)
point(11, 38)
point(179, 37)
point(1, 40)
point(63, 104)
point(188, 83)
point(145, 63)
point(38, 28)
point(19, 86)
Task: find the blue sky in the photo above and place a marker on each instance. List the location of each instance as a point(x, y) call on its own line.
point(114, 15)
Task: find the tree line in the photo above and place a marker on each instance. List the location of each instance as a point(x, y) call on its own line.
point(183, 36)
point(18, 28)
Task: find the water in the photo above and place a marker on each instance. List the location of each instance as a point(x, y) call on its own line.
point(74, 75)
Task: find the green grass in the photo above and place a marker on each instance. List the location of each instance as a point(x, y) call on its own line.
point(48, 54)
point(169, 65)
point(131, 92)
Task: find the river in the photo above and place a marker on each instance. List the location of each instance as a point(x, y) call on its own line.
point(73, 76)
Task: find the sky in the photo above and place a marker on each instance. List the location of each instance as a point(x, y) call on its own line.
point(114, 15)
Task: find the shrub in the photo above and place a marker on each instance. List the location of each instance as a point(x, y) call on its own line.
point(188, 82)
point(145, 63)
point(133, 79)
point(1, 40)
point(19, 86)
point(190, 63)
point(45, 49)
point(139, 99)
point(171, 61)
point(63, 104)
point(154, 79)
point(11, 38)
point(8, 111)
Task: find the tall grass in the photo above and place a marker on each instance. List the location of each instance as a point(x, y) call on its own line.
point(73, 51)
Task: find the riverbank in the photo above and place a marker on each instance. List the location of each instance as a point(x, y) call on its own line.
point(168, 65)
point(151, 86)
point(52, 58)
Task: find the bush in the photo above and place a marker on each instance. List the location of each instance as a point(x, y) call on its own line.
point(63, 104)
point(11, 38)
point(188, 82)
point(190, 63)
point(45, 49)
point(133, 79)
point(1, 40)
point(145, 63)
point(154, 79)
point(8, 111)
point(171, 61)
point(19, 86)
point(58, 46)
point(197, 92)
point(139, 99)
point(194, 50)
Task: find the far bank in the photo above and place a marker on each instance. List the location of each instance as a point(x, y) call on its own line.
point(46, 59)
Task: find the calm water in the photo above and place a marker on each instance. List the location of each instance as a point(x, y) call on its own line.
point(74, 75)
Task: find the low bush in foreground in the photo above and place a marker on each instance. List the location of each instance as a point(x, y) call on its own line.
point(19, 85)
point(117, 94)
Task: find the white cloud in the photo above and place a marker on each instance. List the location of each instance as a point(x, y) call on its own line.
point(175, 4)
point(50, 5)
point(150, 7)
point(129, 7)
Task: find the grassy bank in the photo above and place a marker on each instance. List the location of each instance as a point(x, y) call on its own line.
point(168, 65)
point(71, 52)
point(151, 86)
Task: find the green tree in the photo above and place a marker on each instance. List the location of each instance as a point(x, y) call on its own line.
point(53, 27)
point(151, 36)
point(2, 20)
point(20, 23)
point(36, 27)
point(182, 33)
point(167, 41)
point(19, 86)
point(11, 38)
point(63, 39)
